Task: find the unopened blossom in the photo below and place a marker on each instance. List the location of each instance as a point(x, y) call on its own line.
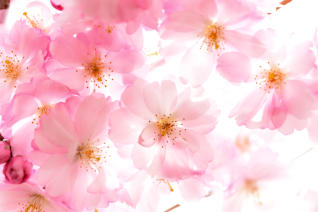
point(17, 170)
point(166, 128)
point(216, 34)
point(280, 85)
point(27, 197)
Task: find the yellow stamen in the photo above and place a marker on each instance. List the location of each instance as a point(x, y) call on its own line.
point(97, 70)
point(250, 187)
point(153, 54)
point(243, 143)
point(213, 35)
point(272, 78)
point(91, 154)
point(43, 110)
point(35, 203)
point(167, 126)
point(10, 69)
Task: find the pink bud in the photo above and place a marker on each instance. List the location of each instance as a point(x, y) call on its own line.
point(5, 151)
point(17, 170)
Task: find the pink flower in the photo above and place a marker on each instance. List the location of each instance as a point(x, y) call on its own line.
point(31, 102)
point(22, 53)
point(132, 13)
point(217, 26)
point(70, 139)
point(89, 61)
point(281, 84)
point(250, 175)
point(5, 151)
point(34, 99)
point(27, 197)
point(167, 128)
point(17, 170)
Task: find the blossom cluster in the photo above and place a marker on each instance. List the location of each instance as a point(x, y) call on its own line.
point(92, 120)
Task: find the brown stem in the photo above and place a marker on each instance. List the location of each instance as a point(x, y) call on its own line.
point(172, 208)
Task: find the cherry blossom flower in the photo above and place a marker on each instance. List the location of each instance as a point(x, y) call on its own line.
point(22, 53)
point(217, 31)
point(70, 139)
point(250, 176)
point(133, 13)
point(166, 128)
point(82, 63)
point(27, 197)
point(281, 84)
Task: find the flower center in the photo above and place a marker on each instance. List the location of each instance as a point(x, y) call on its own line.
point(43, 110)
point(91, 155)
point(250, 187)
point(98, 71)
point(35, 203)
point(168, 126)
point(213, 35)
point(243, 143)
point(272, 78)
point(10, 69)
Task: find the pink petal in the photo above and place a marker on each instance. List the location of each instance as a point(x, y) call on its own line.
point(295, 92)
point(160, 99)
point(148, 136)
point(234, 66)
point(91, 116)
point(124, 127)
point(69, 50)
point(45, 144)
point(189, 110)
point(197, 71)
point(62, 181)
point(21, 140)
point(248, 108)
point(231, 11)
point(247, 44)
point(134, 100)
point(58, 127)
point(49, 91)
point(28, 41)
point(276, 110)
point(301, 60)
point(186, 22)
point(69, 77)
point(21, 106)
point(126, 61)
point(142, 156)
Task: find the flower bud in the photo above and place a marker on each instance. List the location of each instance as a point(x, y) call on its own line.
point(5, 151)
point(17, 170)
